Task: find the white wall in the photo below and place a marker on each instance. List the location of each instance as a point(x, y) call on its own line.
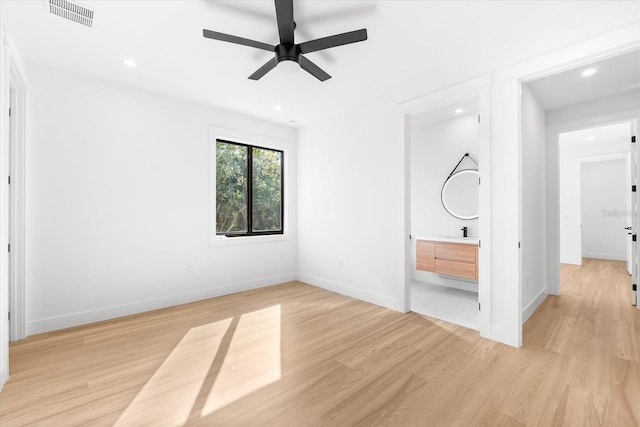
point(436, 148)
point(575, 149)
point(506, 303)
point(604, 210)
point(118, 196)
point(533, 208)
point(350, 203)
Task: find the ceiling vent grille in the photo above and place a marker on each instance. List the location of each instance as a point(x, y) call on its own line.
point(72, 11)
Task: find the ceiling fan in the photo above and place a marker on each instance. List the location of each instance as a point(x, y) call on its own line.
point(288, 50)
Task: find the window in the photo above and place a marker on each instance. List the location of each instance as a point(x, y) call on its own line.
point(249, 190)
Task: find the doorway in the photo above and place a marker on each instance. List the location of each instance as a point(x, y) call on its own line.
point(587, 102)
point(472, 98)
point(595, 194)
point(444, 212)
point(597, 222)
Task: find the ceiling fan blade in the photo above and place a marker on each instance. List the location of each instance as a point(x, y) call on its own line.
point(284, 15)
point(237, 40)
point(333, 41)
point(260, 72)
point(313, 69)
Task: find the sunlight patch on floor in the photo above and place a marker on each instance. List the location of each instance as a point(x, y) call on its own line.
point(168, 397)
point(252, 361)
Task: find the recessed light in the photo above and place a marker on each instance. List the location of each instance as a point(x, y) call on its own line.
point(588, 72)
point(278, 107)
point(129, 63)
point(459, 110)
point(591, 138)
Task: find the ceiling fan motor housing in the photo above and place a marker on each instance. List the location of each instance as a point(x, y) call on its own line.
point(287, 52)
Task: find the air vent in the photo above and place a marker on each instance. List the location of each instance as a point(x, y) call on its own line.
point(72, 11)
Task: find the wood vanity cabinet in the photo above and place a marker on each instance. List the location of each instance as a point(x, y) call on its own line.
point(452, 259)
point(426, 255)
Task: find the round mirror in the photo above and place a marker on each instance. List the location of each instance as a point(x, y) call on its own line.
point(460, 194)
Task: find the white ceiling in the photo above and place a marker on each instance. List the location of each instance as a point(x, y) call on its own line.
point(613, 76)
point(597, 135)
point(448, 112)
point(407, 40)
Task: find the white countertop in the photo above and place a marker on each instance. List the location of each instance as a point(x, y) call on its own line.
point(451, 239)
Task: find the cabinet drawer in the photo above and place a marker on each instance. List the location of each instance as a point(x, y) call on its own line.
point(456, 252)
point(425, 255)
point(454, 268)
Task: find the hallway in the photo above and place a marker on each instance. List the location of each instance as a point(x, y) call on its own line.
point(592, 334)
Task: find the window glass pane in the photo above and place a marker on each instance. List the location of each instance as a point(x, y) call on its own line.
point(231, 188)
point(267, 190)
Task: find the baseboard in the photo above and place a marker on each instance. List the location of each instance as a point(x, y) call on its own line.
point(533, 305)
point(4, 374)
point(112, 312)
point(371, 297)
point(599, 255)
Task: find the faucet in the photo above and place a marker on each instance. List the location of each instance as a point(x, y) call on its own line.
point(464, 231)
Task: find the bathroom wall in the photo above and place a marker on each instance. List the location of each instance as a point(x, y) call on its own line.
point(436, 148)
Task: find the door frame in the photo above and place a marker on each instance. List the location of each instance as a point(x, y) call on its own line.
point(477, 89)
point(17, 83)
point(553, 158)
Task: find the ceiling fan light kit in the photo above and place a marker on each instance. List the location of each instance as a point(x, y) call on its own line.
point(288, 50)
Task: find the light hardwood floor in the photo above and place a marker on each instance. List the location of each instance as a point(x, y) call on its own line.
point(295, 355)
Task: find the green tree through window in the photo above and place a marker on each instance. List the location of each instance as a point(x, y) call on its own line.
point(249, 187)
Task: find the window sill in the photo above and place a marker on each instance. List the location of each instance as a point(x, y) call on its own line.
point(247, 240)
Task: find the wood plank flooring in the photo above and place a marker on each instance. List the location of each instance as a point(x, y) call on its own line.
point(296, 355)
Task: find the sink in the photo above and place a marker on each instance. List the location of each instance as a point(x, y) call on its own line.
point(472, 240)
point(446, 236)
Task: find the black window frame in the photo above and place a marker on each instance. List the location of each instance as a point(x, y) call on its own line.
point(250, 231)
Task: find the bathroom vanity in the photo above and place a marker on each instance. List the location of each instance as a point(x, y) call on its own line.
point(445, 282)
point(450, 256)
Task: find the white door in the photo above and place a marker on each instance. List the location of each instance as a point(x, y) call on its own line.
point(629, 216)
point(634, 218)
point(6, 203)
